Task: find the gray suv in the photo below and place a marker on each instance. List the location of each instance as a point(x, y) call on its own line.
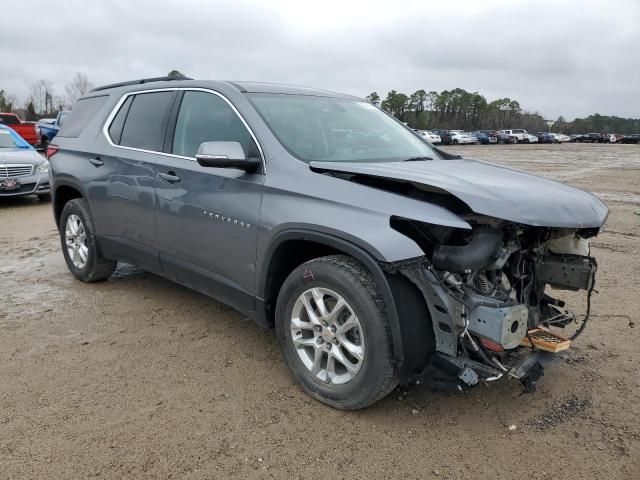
point(379, 259)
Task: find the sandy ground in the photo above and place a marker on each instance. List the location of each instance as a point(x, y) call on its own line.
point(140, 378)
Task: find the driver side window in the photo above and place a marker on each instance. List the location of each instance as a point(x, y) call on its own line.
point(205, 117)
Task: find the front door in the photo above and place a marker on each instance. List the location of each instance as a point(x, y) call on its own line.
point(208, 217)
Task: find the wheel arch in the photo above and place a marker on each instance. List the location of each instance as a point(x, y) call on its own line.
point(291, 248)
point(62, 193)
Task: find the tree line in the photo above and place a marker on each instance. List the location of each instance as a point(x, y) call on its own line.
point(43, 100)
point(448, 109)
point(459, 109)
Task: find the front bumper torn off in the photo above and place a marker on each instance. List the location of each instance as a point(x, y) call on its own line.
point(450, 367)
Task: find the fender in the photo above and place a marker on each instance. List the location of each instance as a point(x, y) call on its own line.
point(348, 248)
point(56, 183)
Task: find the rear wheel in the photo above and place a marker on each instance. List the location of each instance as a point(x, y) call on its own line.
point(77, 235)
point(333, 330)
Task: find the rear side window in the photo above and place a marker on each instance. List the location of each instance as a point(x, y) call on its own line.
point(9, 119)
point(146, 120)
point(115, 130)
point(205, 117)
point(83, 111)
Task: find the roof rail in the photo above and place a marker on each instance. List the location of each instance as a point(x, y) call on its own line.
point(139, 82)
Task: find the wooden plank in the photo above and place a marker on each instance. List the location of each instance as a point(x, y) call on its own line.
point(546, 340)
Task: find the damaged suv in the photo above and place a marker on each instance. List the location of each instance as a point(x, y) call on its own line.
point(379, 259)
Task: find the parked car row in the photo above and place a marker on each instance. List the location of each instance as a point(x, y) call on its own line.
point(37, 134)
point(517, 135)
point(27, 130)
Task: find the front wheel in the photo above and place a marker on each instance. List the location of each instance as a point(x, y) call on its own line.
point(77, 235)
point(333, 330)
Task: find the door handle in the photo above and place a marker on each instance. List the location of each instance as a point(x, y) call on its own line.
point(170, 177)
point(96, 162)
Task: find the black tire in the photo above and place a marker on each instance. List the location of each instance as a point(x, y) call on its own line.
point(350, 279)
point(44, 143)
point(96, 267)
point(44, 197)
point(455, 141)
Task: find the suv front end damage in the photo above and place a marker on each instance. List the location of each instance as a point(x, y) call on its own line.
point(486, 294)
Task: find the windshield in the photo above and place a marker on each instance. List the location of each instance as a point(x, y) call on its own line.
point(7, 140)
point(338, 130)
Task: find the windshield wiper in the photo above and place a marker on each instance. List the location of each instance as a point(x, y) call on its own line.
point(417, 159)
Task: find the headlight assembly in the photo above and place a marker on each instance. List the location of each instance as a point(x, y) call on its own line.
point(43, 167)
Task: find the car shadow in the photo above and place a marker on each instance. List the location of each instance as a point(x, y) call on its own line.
point(23, 201)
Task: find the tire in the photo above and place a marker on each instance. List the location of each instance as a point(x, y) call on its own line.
point(95, 268)
point(44, 143)
point(343, 276)
point(44, 197)
point(455, 141)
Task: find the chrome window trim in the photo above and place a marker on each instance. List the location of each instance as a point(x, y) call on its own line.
point(116, 108)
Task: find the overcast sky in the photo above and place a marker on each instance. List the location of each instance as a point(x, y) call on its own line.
point(570, 58)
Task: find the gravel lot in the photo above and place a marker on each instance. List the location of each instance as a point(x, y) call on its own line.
point(141, 378)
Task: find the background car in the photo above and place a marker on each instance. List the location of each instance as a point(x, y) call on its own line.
point(590, 138)
point(49, 130)
point(430, 137)
point(634, 138)
point(546, 137)
point(445, 136)
point(560, 137)
point(23, 171)
point(485, 138)
point(458, 137)
point(529, 138)
point(27, 130)
point(516, 135)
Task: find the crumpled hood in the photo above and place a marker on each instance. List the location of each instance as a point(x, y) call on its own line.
point(492, 190)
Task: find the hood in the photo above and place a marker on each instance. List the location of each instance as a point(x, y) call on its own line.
point(20, 155)
point(492, 190)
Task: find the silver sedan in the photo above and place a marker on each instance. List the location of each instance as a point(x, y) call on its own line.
point(23, 171)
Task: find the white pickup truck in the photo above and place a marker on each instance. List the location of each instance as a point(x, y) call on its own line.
point(517, 135)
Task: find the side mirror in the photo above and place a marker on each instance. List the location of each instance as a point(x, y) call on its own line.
point(225, 155)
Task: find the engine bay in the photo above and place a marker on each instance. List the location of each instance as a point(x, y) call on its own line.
point(488, 298)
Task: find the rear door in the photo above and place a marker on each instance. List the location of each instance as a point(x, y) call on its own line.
point(124, 198)
point(207, 217)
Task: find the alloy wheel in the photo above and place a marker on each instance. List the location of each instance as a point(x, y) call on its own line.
point(327, 336)
point(75, 236)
